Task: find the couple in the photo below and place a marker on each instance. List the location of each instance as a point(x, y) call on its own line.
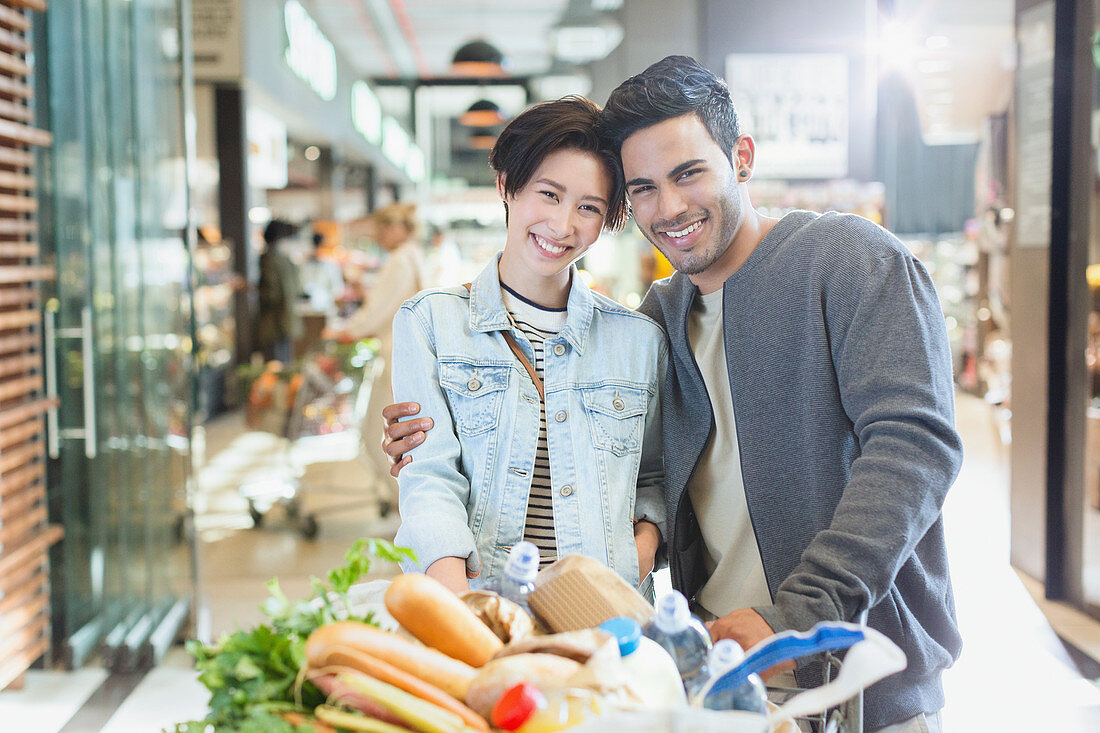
point(796, 370)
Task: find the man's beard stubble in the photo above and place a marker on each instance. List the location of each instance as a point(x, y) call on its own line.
point(691, 263)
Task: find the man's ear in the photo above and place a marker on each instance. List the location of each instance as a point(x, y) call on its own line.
point(744, 158)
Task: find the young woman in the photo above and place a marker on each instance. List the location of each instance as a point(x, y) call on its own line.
point(544, 393)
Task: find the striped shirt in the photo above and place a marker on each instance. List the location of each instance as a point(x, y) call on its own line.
point(538, 323)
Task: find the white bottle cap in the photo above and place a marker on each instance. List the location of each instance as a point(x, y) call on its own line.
point(673, 614)
point(523, 562)
point(724, 656)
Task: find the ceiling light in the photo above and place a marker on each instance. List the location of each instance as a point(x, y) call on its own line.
point(482, 113)
point(481, 139)
point(478, 58)
point(312, 152)
point(587, 42)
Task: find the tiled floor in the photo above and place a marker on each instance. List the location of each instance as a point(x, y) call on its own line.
point(1014, 674)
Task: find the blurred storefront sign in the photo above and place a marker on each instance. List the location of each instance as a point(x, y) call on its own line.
point(796, 107)
point(216, 39)
point(1034, 105)
point(267, 150)
point(308, 53)
point(366, 113)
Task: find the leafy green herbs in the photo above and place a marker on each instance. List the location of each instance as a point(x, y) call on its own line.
point(330, 601)
point(253, 675)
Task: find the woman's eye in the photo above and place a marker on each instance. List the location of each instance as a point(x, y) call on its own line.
point(549, 194)
point(593, 209)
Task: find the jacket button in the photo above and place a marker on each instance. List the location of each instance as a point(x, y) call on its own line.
point(562, 416)
point(559, 349)
point(474, 384)
point(618, 404)
point(567, 490)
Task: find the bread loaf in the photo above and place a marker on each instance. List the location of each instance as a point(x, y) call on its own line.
point(436, 616)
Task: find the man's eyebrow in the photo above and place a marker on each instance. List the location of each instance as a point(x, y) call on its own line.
point(671, 174)
point(684, 166)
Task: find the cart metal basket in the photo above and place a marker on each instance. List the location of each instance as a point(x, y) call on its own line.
point(321, 412)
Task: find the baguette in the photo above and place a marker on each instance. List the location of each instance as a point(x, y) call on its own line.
point(321, 656)
point(436, 616)
point(450, 675)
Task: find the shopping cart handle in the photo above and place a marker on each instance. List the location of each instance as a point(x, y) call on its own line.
point(825, 636)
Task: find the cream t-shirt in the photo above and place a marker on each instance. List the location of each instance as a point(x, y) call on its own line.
point(717, 488)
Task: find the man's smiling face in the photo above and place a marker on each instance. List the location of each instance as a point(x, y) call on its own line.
point(683, 192)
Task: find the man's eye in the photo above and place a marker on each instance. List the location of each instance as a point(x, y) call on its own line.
point(640, 189)
point(689, 173)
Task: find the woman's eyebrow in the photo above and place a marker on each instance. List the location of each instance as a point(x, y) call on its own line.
point(555, 184)
point(550, 182)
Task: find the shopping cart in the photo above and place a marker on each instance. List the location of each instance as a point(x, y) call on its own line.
point(320, 413)
point(847, 717)
point(833, 707)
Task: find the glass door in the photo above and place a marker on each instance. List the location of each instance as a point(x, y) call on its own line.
point(117, 206)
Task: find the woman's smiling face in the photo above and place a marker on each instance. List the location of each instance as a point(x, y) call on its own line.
point(559, 213)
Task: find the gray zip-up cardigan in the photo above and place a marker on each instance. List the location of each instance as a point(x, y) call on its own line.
point(841, 378)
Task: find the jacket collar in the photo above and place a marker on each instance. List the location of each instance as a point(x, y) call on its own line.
point(487, 311)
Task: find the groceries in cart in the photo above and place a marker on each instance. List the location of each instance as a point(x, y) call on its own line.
point(409, 654)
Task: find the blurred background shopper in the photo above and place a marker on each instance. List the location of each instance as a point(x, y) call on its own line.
point(279, 323)
point(395, 229)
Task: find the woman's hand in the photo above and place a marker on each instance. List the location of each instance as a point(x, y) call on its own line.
point(451, 572)
point(647, 538)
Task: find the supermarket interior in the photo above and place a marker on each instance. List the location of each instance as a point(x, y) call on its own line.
point(211, 211)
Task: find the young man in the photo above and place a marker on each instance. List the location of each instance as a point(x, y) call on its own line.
point(809, 436)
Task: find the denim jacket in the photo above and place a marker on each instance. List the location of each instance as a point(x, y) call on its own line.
point(465, 492)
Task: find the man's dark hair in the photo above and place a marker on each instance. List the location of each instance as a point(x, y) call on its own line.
point(674, 86)
point(568, 123)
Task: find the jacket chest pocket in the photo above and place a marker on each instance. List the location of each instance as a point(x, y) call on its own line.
point(475, 394)
point(616, 416)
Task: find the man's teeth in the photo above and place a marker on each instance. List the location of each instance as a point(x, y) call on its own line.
point(685, 232)
point(548, 247)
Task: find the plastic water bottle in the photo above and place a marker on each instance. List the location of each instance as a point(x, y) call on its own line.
point(751, 696)
point(684, 638)
point(518, 579)
point(652, 672)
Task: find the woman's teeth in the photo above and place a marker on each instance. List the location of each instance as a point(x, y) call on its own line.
point(685, 232)
point(547, 246)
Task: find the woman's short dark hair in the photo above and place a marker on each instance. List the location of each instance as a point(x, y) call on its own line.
point(674, 86)
point(568, 123)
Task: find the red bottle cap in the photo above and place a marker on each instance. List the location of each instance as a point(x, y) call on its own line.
point(517, 705)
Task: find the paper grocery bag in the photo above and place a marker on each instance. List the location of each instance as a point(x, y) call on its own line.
point(577, 592)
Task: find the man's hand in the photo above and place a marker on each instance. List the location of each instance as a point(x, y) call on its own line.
point(399, 437)
point(647, 538)
point(747, 628)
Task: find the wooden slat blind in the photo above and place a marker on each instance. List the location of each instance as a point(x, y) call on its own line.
point(25, 534)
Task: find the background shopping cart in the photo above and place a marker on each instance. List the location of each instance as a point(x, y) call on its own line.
point(317, 407)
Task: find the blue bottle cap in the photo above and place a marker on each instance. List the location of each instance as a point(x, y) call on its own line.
point(626, 631)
